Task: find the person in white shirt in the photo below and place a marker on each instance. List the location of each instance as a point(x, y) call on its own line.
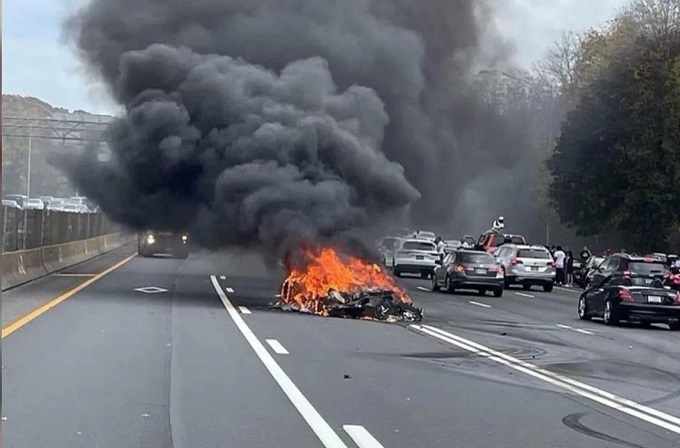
point(440, 244)
point(559, 265)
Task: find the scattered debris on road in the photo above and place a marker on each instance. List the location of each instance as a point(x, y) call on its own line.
point(381, 305)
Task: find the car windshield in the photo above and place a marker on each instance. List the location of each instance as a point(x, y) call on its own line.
point(640, 267)
point(533, 253)
point(418, 245)
point(480, 258)
point(643, 281)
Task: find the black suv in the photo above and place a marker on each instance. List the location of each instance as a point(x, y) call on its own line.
point(622, 264)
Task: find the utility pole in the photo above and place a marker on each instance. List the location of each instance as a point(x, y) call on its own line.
point(28, 174)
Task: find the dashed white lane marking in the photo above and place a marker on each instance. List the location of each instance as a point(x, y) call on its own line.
point(244, 310)
point(579, 330)
point(277, 347)
point(229, 290)
point(576, 291)
point(483, 305)
point(422, 288)
point(316, 422)
point(222, 277)
point(647, 414)
point(361, 436)
point(277, 295)
point(525, 295)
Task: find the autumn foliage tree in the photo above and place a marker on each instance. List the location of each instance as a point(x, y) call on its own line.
point(616, 166)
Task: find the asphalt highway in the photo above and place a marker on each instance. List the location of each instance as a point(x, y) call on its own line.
point(201, 361)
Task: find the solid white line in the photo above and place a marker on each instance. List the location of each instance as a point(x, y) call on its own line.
point(222, 277)
point(566, 327)
point(583, 331)
point(650, 415)
point(244, 310)
point(230, 290)
point(316, 422)
point(277, 347)
point(362, 437)
point(422, 288)
point(524, 295)
point(472, 302)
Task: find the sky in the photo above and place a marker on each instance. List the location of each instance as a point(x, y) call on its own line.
point(36, 62)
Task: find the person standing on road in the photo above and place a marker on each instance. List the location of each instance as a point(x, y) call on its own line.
point(569, 268)
point(441, 245)
point(559, 265)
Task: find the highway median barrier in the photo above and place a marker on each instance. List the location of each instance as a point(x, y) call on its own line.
point(37, 243)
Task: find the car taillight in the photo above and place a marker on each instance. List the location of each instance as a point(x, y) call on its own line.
point(515, 261)
point(551, 263)
point(627, 273)
point(460, 268)
point(675, 278)
point(625, 295)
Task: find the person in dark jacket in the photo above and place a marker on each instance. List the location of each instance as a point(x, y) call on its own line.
point(569, 268)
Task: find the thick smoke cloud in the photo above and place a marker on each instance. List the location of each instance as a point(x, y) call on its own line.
point(234, 121)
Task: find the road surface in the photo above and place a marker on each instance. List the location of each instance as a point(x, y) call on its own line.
point(200, 361)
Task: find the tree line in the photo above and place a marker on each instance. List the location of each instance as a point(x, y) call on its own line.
point(602, 115)
point(615, 167)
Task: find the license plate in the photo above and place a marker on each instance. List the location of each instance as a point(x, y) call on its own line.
point(654, 299)
point(419, 257)
point(535, 268)
point(480, 271)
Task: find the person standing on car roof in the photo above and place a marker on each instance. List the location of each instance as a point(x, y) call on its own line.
point(560, 257)
point(585, 255)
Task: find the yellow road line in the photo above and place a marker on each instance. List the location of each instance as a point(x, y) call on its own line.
point(14, 326)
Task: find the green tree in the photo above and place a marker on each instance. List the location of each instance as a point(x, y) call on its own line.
point(616, 165)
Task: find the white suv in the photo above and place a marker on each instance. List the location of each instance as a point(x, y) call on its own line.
point(415, 256)
point(526, 265)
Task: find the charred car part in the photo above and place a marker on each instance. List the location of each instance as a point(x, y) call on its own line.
point(378, 304)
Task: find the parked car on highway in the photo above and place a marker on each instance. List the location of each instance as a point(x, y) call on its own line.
point(625, 263)
point(386, 248)
point(451, 245)
point(424, 235)
point(151, 243)
point(468, 269)
point(526, 265)
point(34, 204)
point(55, 205)
point(415, 256)
point(11, 204)
point(490, 241)
point(631, 297)
point(584, 276)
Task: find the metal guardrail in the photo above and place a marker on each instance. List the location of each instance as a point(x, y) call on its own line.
point(31, 229)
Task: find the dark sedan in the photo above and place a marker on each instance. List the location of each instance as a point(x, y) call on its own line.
point(632, 298)
point(468, 269)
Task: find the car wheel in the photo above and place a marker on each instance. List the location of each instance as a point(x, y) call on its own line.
point(424, 275)
point(583, 309)
point(435, 286)
point(481, 292)
point(548, 287)
point(609, 314)
point(498, 292)
point(526, 286)
point(674, 327)
point(397, 272)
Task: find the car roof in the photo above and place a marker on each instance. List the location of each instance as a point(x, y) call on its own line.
point(637, 258)
point(471, 251)
point(416, 240)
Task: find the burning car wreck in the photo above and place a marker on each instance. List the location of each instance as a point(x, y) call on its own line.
point(330, 283)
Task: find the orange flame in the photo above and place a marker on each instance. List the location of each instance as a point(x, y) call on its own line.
point(327, 269)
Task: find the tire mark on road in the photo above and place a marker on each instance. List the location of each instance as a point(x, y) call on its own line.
point(573, 421)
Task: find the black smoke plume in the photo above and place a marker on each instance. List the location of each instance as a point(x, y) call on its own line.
point(257, 121)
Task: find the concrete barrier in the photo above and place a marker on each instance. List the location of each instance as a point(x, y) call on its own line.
point(21, 266)
point(26, 265)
